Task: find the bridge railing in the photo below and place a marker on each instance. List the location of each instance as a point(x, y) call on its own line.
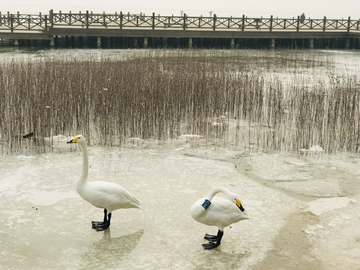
point(23, 22)
point(89, 20)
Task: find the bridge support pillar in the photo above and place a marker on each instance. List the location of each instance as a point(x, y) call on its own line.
point(273, 43)
point(52, 43)
point(145, 42)
point(311, 43)
point(232, 43)
point(16, 42)
point(190, 43)
point(347, 45)
point(98, 43)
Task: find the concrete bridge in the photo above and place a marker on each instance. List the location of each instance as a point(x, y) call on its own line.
point(143, 28)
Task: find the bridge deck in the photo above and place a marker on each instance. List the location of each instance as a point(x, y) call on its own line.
point(46, 26)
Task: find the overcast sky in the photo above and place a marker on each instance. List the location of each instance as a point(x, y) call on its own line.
point(251, 8)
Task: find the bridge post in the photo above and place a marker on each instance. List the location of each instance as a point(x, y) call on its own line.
point(190, 43)
point(153, 21)
point(271, 23)
point(311, 43)
point(349, 24)
point(214, 24)
point(87, 19)
point(12, 23)
point(184, 24)
point(46, 22)
point(243, 23)
point(298, 24)
point(98, 42)
point(104, 19)
point(51, 17)
point(232, 43)
point(145, 42)
point(16, 42)
point(121, 20)
point(324, 24)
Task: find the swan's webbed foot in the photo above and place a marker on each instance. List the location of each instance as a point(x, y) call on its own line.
point(102, 225)
point(96, 222)
point(210, 237)
point(210, 245)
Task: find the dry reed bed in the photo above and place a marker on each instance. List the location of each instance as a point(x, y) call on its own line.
point(163, 94)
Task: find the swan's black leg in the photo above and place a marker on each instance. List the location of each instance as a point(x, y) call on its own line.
point(102, 225)
point(212, 245)
point(105, 214)
point(108, 222)
point(101, 222)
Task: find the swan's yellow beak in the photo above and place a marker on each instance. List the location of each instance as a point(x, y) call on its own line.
point(73, 140)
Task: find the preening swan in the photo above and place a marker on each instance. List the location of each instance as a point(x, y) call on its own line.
point(109, 196)
point(218, 212)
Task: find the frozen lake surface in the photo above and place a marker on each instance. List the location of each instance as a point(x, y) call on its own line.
point(304, 207)
point(304, 210)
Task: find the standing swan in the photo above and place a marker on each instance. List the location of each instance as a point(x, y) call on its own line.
point(218, 212)
point(109, 196)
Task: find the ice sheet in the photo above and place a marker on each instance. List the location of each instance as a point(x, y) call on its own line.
point(323, 205)
point(46, 224)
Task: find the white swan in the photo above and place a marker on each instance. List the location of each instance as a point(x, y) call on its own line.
point(109, 196)
point(218, 212)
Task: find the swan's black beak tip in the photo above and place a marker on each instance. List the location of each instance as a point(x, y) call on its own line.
point(70, 141)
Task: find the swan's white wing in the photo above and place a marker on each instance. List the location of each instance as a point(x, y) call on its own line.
point(109, 195)
point(220, 213)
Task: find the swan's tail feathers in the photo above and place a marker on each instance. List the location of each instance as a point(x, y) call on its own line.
point(136, 203)
point(138, 206)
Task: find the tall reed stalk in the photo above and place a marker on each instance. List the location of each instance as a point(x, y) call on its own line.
point(163, 94)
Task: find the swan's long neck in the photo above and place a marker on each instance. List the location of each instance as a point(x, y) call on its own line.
point(85, 168)
point(215, 191)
